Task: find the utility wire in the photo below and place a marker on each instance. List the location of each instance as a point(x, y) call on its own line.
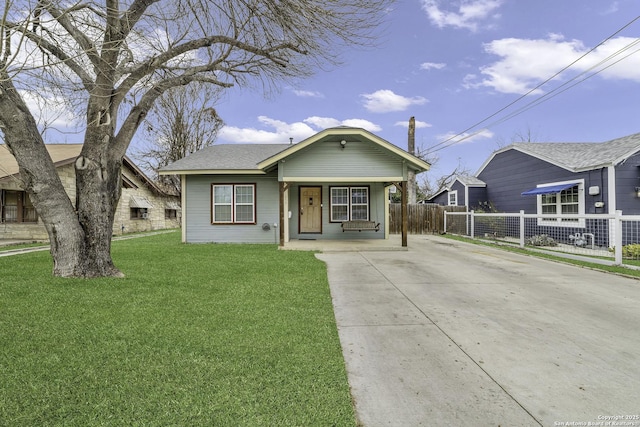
point(552, 94)
point(431, 149)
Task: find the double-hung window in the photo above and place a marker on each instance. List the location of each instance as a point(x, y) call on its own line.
point(569, 201)
point(233, 203)
point(349, 203)
point(15, 206)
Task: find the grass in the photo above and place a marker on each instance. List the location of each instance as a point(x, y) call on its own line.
point(635, 273)
point(220, 335)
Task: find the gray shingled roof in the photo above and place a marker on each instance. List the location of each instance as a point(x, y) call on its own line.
point(470, 180)
point(227, 157)
point(578, 156)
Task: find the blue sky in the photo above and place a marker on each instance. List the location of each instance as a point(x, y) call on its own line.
point(452, 64)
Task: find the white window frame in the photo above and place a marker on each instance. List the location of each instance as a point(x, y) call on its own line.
point(453, 193)
point(559, 219)
point(233, 204)
point(349, 203)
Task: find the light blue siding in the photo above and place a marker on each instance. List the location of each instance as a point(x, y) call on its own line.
point(327, 159)
point(198, 221)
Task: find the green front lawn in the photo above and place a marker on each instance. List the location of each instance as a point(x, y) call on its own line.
point(215, 335)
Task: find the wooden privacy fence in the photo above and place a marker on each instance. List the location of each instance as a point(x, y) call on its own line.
point(423, 219)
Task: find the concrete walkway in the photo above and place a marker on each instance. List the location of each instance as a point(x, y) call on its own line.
point(453, 334)
point(44, 246)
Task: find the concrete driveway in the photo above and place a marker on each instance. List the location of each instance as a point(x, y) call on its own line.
point(453, 334)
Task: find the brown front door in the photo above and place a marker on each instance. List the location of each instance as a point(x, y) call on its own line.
point(310, 210)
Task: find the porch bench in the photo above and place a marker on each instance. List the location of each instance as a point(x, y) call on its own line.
point(360, 225)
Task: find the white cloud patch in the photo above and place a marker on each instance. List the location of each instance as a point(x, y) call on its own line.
point(469, 13)
point(432, 66)
point(526, 63)
point(383, 101)
point(321, 123)
point(279, 132)
point(419, 124)
point(308, 93)
point(50, 110)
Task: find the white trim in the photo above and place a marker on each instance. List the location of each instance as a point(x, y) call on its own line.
point(452, 193)
point(342, 179)
point(557, 218)
point(183, 203)
point(611, 189)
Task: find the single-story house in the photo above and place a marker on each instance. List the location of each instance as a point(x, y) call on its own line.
point(143, 206)
point(459, 190)
point(332, 185)
point(556, 179)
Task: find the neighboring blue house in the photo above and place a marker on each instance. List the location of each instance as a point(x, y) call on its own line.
point(556, 179)
point(328, 186)
point(461, 189)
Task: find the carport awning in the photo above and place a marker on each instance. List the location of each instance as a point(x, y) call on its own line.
point(139, 202)
point(549, 189)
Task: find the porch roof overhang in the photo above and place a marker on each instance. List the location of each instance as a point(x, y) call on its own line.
point(549, 189)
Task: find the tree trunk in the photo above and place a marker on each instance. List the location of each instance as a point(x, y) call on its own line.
point(98, 184)
point(80, 240)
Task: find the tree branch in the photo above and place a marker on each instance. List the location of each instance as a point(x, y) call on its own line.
point(62, 17)
point(153, 63)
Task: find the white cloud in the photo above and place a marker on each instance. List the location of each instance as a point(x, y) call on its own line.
point(432, 66)
point(469, 14)
point(618, 48)
point(308, 93)
point(526, 63)
point(362, 123)
point(383, 101)
point(329, 122)
point(279, 132)
point(419, 124)
point(322, 122)
point(451, 137)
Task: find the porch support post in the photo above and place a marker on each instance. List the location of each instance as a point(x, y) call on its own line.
point(283, 188)
point(405, 216)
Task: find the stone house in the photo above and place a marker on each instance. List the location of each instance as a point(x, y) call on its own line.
point(143, 206)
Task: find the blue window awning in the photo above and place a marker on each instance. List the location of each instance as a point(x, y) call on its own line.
point(549, 189)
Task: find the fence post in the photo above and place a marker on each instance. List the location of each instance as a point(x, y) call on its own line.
point(471, 219)
point(618, 238)
point(445, 221)
point(522, 229)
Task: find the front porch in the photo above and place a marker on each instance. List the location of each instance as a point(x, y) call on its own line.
point(393, 243)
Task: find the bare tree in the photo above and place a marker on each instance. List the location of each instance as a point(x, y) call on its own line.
point(182, 121)
point(112, 61)
point(430, 186)
point(526, 135)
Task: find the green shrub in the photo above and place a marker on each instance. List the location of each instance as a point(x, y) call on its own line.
point(631, 251)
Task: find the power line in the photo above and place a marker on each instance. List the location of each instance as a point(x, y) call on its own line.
point(552, 94)
point(442, 143)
